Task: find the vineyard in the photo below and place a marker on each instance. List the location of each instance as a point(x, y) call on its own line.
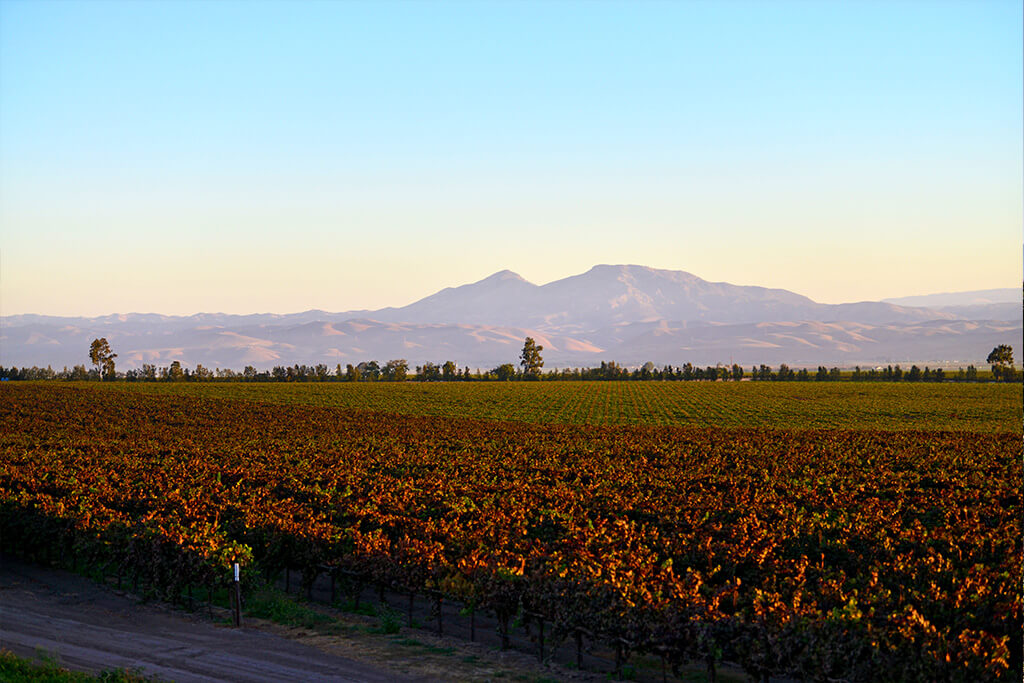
point(873, 552)
point(847, 405)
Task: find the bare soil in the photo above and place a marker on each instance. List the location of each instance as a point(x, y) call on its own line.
point(89, 627)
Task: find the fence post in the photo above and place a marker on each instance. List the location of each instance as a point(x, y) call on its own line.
point(503, 628)
point(238, 598)
point(440, 624)
point(540, 635)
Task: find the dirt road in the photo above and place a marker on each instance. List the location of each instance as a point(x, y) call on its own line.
point(89, 627)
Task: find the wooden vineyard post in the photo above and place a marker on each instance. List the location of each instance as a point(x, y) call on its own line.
point(540, 637)
point(437, 607)
point(663, 652)
point(540, 631)
point(503, 628)
point(355, 585)
point(238, 598)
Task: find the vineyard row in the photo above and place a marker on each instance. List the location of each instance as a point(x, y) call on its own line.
point(820, 554)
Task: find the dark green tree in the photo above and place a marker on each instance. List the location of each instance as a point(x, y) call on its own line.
point(530, 358)
point(449, 371)
point(505, 372)
point(370, 371)
point(1001, 360)
point(428, 372)
point(175, 373)
point(395, 370)
point(103, 358)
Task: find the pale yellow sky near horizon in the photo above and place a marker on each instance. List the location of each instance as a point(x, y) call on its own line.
point(181, 158)
point(323, 281)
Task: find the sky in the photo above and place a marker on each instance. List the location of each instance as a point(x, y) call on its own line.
point(179, 157)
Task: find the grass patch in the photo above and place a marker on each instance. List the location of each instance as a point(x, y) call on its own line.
point(363, 608)
point(408, 642)
point(390, 622)
point(275, 606)
point(48, 670)
point(336, 629)
point(432, 649)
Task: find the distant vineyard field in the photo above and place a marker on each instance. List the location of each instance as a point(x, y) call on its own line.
point(783, 405)
point(816, 554)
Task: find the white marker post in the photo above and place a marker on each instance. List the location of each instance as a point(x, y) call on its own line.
point(238, 598)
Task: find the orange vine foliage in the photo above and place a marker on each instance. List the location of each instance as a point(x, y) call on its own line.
point(821, 554)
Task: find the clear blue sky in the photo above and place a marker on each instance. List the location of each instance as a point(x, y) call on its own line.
point(179, 157)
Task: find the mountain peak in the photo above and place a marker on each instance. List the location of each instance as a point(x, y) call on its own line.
point(628, 313)
point(630, 270)
point(504, 275)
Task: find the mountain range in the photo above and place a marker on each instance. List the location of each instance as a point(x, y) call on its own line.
point(627, 313)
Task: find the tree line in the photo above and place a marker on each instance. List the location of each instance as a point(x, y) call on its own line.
point(530, 368)
point(399, 371)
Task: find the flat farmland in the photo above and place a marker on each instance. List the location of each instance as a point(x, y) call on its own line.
point(853, 532)
point(775, 405)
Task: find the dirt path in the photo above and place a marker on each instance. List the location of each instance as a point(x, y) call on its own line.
point(89, 627)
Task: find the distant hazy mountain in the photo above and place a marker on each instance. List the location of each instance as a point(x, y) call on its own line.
point(1006, 295)
point(809, 343)
point(612, 294)
point(266, 345)
point(630, 314)
point(985, 311)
